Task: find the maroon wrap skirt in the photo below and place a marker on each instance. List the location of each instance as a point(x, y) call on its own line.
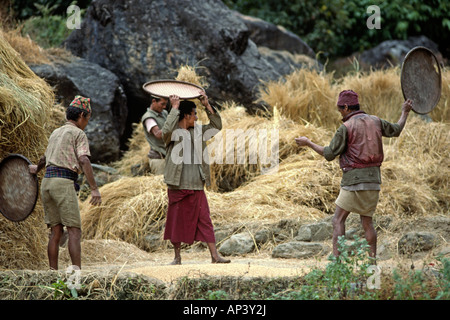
point(188, 217)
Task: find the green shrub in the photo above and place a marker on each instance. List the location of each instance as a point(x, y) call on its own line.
point(338, 27)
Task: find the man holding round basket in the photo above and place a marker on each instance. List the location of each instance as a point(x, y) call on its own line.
point(358, 143)
point(66, 156)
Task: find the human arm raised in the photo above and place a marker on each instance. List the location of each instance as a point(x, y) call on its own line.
point(172, 120)
point(406, 108)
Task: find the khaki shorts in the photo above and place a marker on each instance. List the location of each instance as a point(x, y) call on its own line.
point(60, 202)
point(363, 202)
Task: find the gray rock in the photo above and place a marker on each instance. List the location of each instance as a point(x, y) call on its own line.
point(262, 236)
point(109, 104)
point(153, 242)
point(142, 41)
point(315, 232)
point(275, 37)
point(444, 251)
point(299, 250)
point(392, 52)
point(237, 244)
point(416, 242)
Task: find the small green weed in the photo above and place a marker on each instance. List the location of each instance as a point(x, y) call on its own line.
point(62, 292)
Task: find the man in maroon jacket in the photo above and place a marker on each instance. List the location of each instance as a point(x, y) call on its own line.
point(358, 143)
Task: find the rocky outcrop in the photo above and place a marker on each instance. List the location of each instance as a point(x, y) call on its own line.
point(299, 250)
point(392, 52)
point(75, 76)
point(269, 35)
point(141, 41)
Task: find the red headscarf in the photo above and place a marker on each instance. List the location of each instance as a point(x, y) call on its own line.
point(348, 97)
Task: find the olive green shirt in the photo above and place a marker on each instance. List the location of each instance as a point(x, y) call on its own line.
point(366, 178)
point(160, 118)
point(187, 166)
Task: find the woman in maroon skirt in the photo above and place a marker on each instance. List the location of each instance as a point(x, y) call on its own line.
point(186, 173)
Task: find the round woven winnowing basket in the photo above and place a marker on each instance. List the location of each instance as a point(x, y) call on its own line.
point(421, 79)
point(18, 188)
point(165, 88)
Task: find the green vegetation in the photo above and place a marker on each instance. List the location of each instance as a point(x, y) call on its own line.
point(332, 28)
point(338, 27)
point(47, 30)
point(45, 21)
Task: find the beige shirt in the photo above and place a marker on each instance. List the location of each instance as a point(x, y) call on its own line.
point(65, 147)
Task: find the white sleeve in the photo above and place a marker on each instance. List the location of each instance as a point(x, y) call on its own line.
point(149, 124)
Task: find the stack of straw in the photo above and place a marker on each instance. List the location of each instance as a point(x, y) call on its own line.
point(415, 173)
point(26, 105)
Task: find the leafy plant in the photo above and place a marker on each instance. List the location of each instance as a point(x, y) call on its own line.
point(62, 291)
point(217, 295)
point(338, 27)
point(47, 29)
point(344, 277)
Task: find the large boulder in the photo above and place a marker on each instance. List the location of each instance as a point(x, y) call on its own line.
point(142, 40)
point(392, 52)
point(75, 76)
point(237, 244)
point(275, 37)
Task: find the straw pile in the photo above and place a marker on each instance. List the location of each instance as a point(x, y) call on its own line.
point(132, 208)
point(27, 116)
point(415, 172)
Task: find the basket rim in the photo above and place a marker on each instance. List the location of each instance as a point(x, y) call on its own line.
point(184, 83)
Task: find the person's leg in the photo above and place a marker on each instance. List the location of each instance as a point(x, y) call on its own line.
point(215, 257)
point(340, 215)
point(53, 245)
point(177, 249)
point(370, 234)
point(75, 245)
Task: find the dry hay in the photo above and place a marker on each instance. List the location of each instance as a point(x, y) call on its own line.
point(131, 208)
point(29, 51)
point(304, 96)
point(415, 172)
point(237, 123)
point(416, 169)
point(26, 107)
point(311, 96)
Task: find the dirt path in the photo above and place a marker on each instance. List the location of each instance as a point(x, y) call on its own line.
point(198, 264)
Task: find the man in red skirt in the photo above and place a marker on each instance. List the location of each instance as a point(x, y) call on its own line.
point(186, 173)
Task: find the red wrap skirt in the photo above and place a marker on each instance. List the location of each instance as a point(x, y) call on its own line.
point(188, 217)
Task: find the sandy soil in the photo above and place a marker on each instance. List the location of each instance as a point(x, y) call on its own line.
point(124, 257)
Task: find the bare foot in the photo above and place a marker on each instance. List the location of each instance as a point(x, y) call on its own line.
point(176, 261)
point(219, 259)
